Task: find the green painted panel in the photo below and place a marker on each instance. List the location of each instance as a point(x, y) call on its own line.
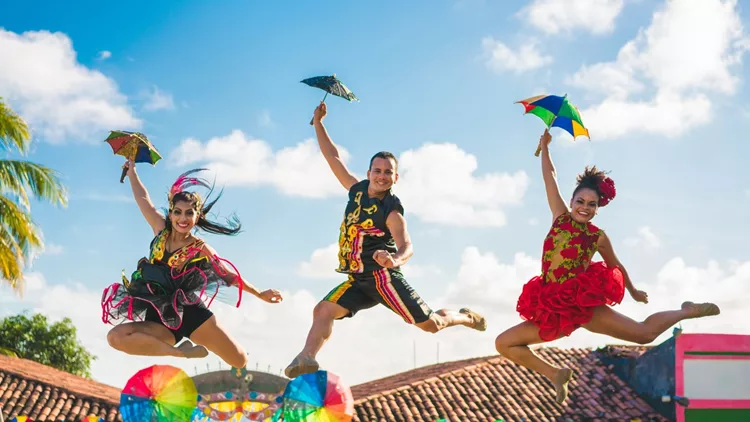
point(717, 415)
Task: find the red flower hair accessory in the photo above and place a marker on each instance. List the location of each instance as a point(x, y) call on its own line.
point(607, 191)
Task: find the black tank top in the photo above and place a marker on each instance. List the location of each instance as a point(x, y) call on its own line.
point(364, 231)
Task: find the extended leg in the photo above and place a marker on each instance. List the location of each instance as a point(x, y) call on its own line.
point(213, 336)
point(513, 344)
point(324, 314)
point(445, 318)
point(612, 323)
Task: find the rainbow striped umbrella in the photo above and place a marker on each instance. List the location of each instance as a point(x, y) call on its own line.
point(133, 146)
point(317, 397)
point(160, 393)
point(555, 111)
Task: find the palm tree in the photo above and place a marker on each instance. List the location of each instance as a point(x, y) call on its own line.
point(19, 235)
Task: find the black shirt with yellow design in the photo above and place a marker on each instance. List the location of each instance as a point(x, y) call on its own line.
point(364, 231)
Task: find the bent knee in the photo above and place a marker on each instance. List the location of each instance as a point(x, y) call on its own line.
point(328, 310)
point(429, 326)
point(116, 336)
point(502, 344)
point(645, 338)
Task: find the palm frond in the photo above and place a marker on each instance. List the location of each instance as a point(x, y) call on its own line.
point(11, 261)
point(17, 176)
point(19, 236)
point(5, 351)
point(14, 132)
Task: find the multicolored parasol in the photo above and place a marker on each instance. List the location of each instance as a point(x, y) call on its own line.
point(133, 146)
point(160, 393)
point(555, 111)
point(320, 396)
point(21, 419)
point(92, 418)
point(331, 85)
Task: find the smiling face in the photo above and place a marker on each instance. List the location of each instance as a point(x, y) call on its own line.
point(382, 174)
point(584, 205)
point(183, 216)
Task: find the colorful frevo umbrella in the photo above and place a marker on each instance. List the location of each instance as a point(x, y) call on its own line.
point(555, 111)
point(317, 397)
point(331, 85)
point(92, 418)
point(160, 393)
point(133, 146)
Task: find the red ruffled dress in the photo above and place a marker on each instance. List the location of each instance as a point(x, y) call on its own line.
point(564, 297)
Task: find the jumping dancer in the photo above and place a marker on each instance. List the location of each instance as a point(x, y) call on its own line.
point(373, 245)
point(572, 291)
point(168, 296)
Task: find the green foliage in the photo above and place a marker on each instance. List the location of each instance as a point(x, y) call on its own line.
point(19, 179)
point(51, 344)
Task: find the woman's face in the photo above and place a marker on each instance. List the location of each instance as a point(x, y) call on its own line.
point(183, 217)
point(584, 205)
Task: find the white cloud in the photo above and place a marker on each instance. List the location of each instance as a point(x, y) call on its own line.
point(463, 199)
point(157, 99)
point(412, 271)
point(688, 52)
point(99, 197)
point(53, 249)
point(273, 334)
point(555, 16)
point(264, 119)
point(59, 98)
point(500, 58)
point(322, 263)
point(645, 238)
point(104, 55)
point(241, 161)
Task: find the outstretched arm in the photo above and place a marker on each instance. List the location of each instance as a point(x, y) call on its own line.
point(396, 224)
point(232, 278)
point(554, 198)
point(610, 258)
point(329, 150)
point(154, 218)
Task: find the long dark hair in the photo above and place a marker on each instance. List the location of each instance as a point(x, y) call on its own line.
point(178, 194)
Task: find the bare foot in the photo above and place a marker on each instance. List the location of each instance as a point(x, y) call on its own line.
point(699, 310)
point(301, 365)
point(478, 321)
point(562, 378)
point(191, 351)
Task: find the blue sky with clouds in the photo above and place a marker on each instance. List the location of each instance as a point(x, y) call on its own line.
point(661, 86)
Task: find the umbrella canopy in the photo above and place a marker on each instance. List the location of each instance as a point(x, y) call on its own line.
point(331, 85)
point(319, 396)
point(555, 111)
point(160, 393)
point(133, 146)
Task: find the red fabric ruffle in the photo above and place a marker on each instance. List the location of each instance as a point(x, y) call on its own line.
point(558, 309)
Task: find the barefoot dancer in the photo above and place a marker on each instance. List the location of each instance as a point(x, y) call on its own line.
point(573, 291)
point(373, 245)
point(168, 296)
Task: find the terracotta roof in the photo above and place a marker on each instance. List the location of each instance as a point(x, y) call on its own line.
point(493, 388)
point(44, 394)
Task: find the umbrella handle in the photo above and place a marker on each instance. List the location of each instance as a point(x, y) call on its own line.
point(538, 150)
point(122, 176)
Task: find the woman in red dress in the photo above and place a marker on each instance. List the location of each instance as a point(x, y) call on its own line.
point(572, 291)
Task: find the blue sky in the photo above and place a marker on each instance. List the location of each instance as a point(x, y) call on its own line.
point(661, 86)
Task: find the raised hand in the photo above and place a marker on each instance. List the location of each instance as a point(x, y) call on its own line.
point(320, 113)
